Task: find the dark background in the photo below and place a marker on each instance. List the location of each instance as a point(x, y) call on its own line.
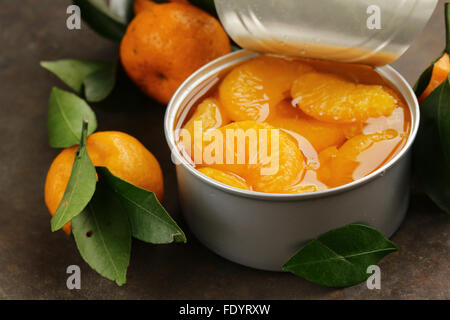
point(33, 260)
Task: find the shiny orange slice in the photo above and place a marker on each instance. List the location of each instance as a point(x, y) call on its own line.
point(331, 98)
point(250, 90)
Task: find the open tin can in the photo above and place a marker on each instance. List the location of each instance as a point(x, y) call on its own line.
point(263, 230)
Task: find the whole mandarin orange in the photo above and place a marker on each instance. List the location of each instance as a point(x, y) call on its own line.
point(121, 153)
point(165, 44)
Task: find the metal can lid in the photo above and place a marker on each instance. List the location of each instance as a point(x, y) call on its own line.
point(372, 32)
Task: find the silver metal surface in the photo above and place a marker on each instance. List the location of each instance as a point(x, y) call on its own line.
point(262, 230)
point(374, 32)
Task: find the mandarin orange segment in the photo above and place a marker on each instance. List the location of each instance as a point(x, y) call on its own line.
point(225, 177)
point(308, 183)
point(209, 115)
point(358, 157)
point(267, 158)
point(320, 134)
point(331, 98)
point(250, 90)
point(352, 129)
point(326, 158)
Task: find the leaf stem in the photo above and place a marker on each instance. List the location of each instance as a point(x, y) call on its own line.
point(84, 131)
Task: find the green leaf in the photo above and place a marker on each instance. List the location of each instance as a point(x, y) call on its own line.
point(73, 72)
point(339, 258)
point(437, 110)
point(103, 235)
point(80, 188)
point(424, 80)
point(98, 85)
point(100, 18)
point(150, 222)
point(65, 115)
point(98, 78)
point(432, 146)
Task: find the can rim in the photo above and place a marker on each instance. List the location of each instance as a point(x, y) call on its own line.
point(233, 58)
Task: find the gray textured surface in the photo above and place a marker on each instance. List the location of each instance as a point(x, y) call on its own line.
point(33, 260)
